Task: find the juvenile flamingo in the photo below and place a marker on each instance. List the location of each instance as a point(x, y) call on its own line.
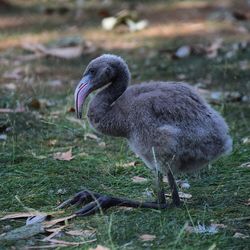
point(167, 124)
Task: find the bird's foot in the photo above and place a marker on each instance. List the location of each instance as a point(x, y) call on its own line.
point(103, 202)
point(95, 202)
point(81, 197)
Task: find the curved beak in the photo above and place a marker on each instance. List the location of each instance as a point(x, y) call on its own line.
point(81, 92)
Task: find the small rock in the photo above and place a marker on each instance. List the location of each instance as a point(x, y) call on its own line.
point(185, 185)
point(183, 51)
point(109, 23)
point(181, 77)
point(147, 237)
point(246, 99)
point(61, 191)
point(240, 235)
point(246, 140)
point(137, 26)
point(138, 179)
point(216, 96)
point(230, 54)
point(3, 137)
point(102, 144)
point(245, 165)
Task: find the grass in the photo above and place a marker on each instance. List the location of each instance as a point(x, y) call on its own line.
point(219, 193)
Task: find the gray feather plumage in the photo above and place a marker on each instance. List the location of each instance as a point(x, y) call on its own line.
point(169, 117)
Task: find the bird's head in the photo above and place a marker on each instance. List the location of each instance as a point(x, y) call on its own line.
point(100, 72)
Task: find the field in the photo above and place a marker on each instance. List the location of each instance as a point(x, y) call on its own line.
point(36, 120)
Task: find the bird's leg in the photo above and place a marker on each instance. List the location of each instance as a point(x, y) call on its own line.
point(105, 202)
point(97, 202)
point(161, 199)
point(173, 186)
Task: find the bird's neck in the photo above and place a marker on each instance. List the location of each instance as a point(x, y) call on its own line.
point(102, 103)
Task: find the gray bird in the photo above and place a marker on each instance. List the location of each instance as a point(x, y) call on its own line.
point(167, 124)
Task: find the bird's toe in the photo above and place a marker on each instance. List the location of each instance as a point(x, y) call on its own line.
point(101, 203)
point(79, 198)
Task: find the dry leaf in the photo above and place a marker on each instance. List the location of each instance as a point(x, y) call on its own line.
point(220, 225)
point(34, 103)
point(61, 191)
point(52, 142)
point(52, 230)
point(202, 229)
point(54, 233)
point(147, 237)
point(185, 195)
point(99, 247)
point(246, 140)
point(71, 110)
point(84, 233)
point(17, 110)
point(70, 243)
point(138, 179)
point(182, 195)
point(240, 235)
point(40, 103)
point(129, 164)
point(31, 57)
point(40, 157)
point(22, 215)
point(9, 86)
point(212, 50)
point(241, 16)
point(245, 165)
point(63, 53)
point(15, 74)
point(46, 246)
point(51, 223)
point(64, 156)
point(91, 136)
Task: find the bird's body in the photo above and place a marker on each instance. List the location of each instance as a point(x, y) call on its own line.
point(167, 124)
point(185, 132)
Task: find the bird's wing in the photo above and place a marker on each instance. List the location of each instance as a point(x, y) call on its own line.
point(179, 105)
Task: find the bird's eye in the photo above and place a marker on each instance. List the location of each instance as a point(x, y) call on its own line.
point(92, 71)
